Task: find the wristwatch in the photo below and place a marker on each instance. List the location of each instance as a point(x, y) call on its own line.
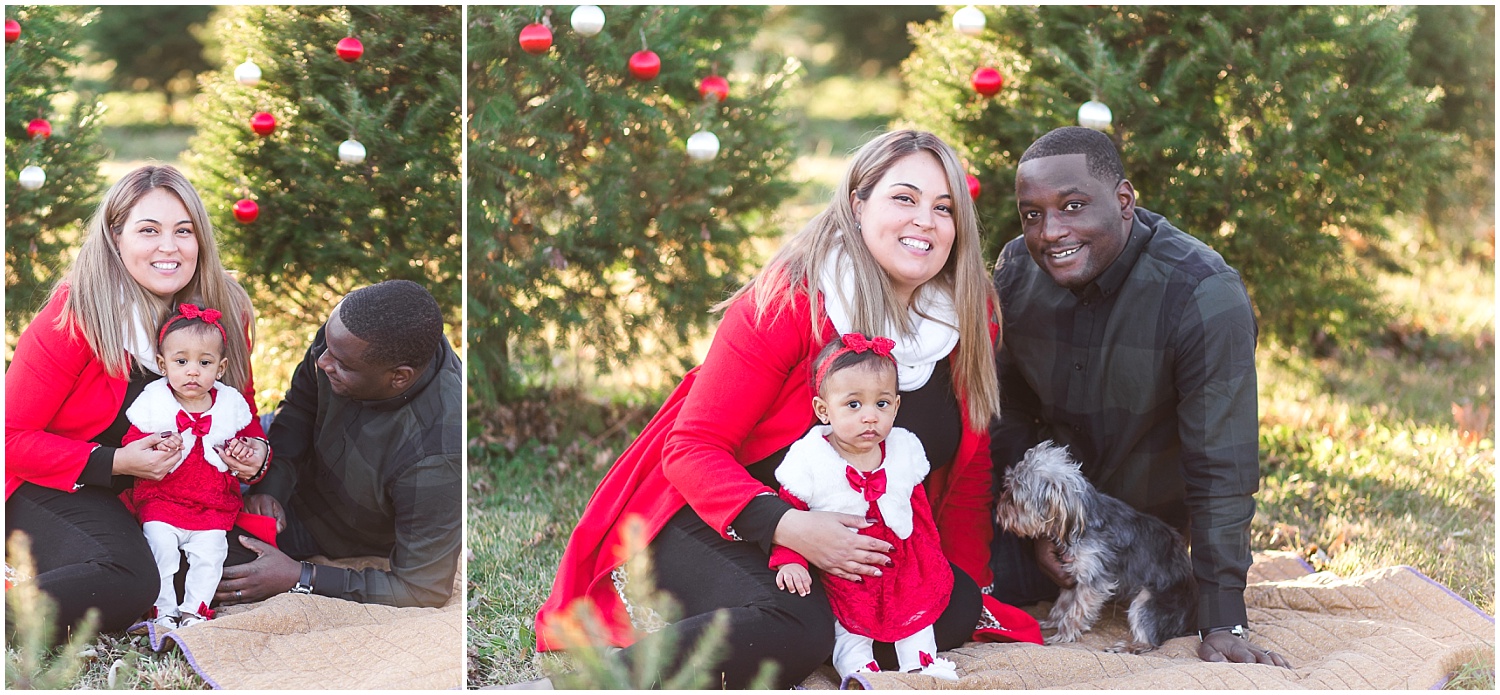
point(1236, 630)
point(304, 583)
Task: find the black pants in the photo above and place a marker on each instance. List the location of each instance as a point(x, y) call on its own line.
point(705, 573)
point(1018, 579)
point(89, 553)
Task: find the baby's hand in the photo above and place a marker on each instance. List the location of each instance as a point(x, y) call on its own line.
point(794, 578)
point(171, 442)
point(244, 456)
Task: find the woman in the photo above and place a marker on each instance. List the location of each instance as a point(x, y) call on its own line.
point(897, 254)
point(82, 360)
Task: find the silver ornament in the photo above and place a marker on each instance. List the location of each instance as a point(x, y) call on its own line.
point(32, 177)
point(969, 20)
point(588, 20)
point(351, 152)
point(1094, 114)
point(247, 74)
point(703, 146)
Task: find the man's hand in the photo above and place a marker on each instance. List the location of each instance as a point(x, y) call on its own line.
point(794, 578)
point(1050, 559)
point(273, 572)
point(266, 505)
point(1224, 646)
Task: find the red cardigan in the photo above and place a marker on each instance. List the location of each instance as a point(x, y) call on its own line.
point(57, 398)
point(750, 398)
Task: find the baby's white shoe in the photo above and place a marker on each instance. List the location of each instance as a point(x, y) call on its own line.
point(166, 622)
point(941, 668)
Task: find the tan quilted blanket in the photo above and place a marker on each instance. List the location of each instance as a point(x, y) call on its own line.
point(1391, 628)
point(295, 641)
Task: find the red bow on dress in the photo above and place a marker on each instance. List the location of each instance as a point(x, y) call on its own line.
point(198, 426)
point(872, 485)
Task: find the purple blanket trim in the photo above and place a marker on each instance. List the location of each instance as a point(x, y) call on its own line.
point(159, 644)
point(1444, 682)
point(194, 662)
point(864, 683)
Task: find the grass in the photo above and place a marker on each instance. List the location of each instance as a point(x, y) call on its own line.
point(1370, 458)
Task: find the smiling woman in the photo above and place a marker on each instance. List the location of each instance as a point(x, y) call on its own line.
point(81, 361)
point(896, 254)
point(157, 244)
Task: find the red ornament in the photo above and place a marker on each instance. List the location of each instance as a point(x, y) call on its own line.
point(39, 128)
point(973, 186)
point(246, 211)
point(350, 49)
point(263, 123)
point(987, 81)
point(715, 85)
point(645, 65)
point(12, 30)
point(536, 38)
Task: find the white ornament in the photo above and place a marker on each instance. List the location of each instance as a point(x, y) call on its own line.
point(1094, 114)
point(588, 20)
point(247, 74)
point(703, 146)
point(969, 20)
point(32, 177)
point(351, 152)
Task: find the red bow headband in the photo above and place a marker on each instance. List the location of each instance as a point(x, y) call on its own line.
point(191, 311)
point(856, 343)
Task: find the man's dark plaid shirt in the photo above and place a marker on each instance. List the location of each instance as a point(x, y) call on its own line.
point(1148, 375)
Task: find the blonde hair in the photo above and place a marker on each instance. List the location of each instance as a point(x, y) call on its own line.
point(104, 299)
point(874, 305)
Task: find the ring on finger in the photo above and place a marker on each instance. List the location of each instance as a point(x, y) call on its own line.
point(238, 594)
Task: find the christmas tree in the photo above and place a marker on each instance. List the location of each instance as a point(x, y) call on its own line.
point(326, 221)
point(43, 226)
point(1282, 136)
point(590, 219)
point(1453, 50)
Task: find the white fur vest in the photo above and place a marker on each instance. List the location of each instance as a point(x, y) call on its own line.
point(155, 410)
point(814, 472)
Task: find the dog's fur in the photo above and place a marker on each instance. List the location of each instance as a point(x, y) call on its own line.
point(1110, 549)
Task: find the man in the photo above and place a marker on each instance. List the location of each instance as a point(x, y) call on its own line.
point(1133, 344)
point(367, 450)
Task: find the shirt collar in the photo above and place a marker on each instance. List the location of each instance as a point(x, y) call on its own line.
point(1113, 277)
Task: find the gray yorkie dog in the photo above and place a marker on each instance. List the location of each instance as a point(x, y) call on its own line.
point(1110, 549)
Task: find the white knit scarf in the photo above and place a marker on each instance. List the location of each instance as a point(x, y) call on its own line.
point(139, 343)
point(916, 354)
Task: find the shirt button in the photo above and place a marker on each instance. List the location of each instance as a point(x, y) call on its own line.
point(1077, 366)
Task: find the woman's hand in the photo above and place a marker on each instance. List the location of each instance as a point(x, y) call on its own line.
point(244, 456)
point(828, 540)
point(141, 459)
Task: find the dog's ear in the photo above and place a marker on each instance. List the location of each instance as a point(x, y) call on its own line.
point(1073, 507)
